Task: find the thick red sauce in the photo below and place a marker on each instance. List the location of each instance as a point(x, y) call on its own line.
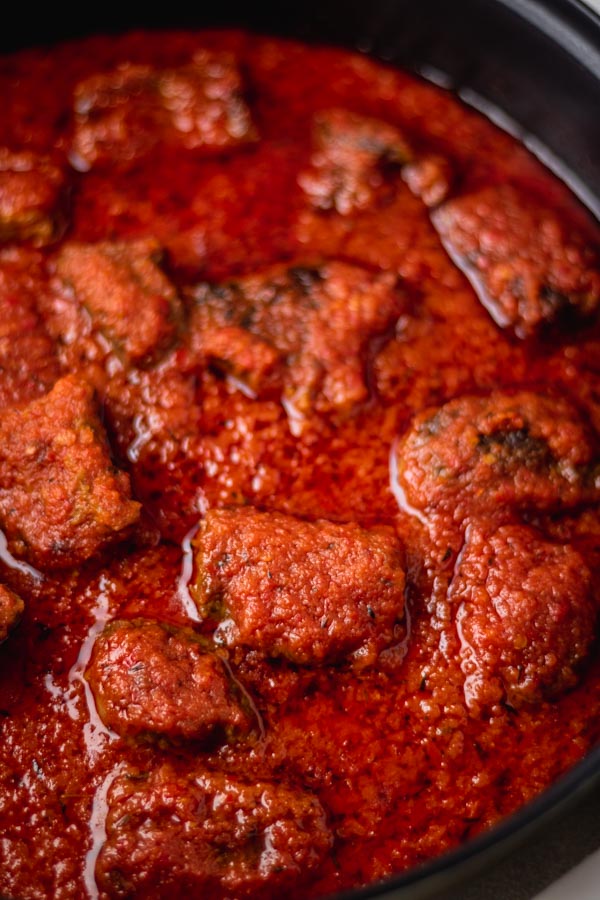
point(407, 755)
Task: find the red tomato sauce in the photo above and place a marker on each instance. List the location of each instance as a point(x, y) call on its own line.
point(311, 287)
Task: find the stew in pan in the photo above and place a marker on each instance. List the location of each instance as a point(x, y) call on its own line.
point(299, 470)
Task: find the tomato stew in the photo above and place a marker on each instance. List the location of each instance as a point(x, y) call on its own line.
point(299, 470)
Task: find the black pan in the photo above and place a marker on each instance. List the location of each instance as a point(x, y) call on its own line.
point(532, 64)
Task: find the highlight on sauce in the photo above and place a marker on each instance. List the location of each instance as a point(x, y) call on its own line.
point(299, 470)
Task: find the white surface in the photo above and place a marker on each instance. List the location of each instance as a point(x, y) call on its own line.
point(582, 882)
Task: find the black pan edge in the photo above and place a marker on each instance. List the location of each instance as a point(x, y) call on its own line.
point(569, 23)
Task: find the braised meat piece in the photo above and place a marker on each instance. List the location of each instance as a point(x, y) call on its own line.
point(28, 363)
point(429, 177)
point(525, 616)
point(11, 610)
point(345, 308)
point(529, 267)
point(241, 354)
point(518, 451)
point(154, 418)
point(246, 327)
point(313, 592)
point(122, 114)
point(177, 833)
point(32, 190)
point(150, 680)
point(355, 161)
point(153, 413)
point(318, 321)
point(61, 498)
point(125, 293)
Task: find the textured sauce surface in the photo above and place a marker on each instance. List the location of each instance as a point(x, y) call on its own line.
point(312, 300)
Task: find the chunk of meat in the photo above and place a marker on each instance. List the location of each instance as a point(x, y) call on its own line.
point(530, 269)
point(129, 299)
point(153, 414)
point(122, 114)
point(355, 161)
point(177, 833)
point(11, 610)
point(347, 308)
point(32, 192)
point(313, 592)
point(429, 177)
point(151, 679)
point(28, 363)
point(61, 498)
point(251, 359)
point(153, 417)
point(515, 451)
point(525, 616)
point(232, 349)
point(318, 321)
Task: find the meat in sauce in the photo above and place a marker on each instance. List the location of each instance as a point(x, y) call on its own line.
point(124, 293)
point(11, 609)
point(149, 680)
point(61, 497)
point(525, 615)
point(531, 271)
point(122, 114)
point(520, 451)
point(173, 833)
point(355, 158)
point(32, 197)
point(313, 592)
point(28, 359)
point(318, 321)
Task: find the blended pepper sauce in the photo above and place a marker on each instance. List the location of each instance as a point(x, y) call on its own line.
point(299, 470)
